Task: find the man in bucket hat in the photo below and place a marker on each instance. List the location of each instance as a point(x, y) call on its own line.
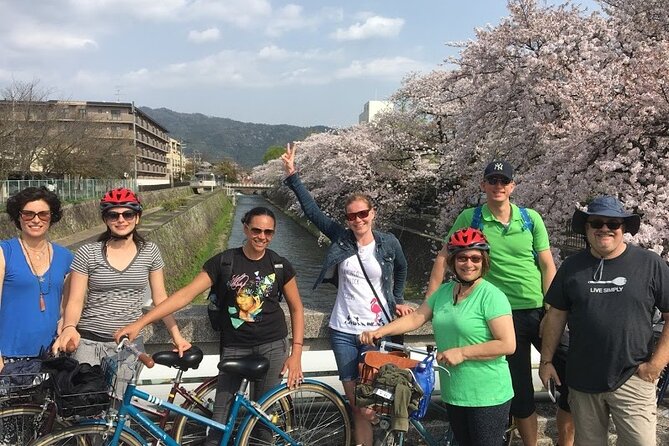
point(521, 265)
point(608, 293)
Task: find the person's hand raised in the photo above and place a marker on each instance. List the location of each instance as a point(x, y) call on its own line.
point(288, 159)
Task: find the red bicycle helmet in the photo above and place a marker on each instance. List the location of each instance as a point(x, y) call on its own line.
point(467, 238)
point(120, 197)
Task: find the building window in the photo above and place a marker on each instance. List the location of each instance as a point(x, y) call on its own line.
point(116, 115)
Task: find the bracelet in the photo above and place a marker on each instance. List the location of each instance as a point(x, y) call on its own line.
point(297, 343)
point(542, 362)
point(68, 326)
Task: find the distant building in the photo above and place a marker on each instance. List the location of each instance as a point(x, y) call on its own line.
point(176, 162)
point(373, 108)
point(132, 130)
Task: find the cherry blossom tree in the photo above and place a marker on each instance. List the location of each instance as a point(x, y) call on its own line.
point(578, 102)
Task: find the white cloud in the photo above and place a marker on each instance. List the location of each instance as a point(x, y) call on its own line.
point(374, 26)
point(242, 13)
point(43, 38)
point(388, 68)
point(273, 52)
point(207, 35)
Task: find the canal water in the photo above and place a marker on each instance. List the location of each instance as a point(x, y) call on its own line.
point(294, 243)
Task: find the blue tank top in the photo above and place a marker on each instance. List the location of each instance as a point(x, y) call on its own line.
point(24, 329)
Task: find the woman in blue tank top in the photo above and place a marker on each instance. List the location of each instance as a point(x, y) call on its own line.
point(34, 273)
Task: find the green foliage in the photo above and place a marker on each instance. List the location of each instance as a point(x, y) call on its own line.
point(216, 138)
point(221, 230)
point(173, 204)
point(228, 169)
point(273, 153)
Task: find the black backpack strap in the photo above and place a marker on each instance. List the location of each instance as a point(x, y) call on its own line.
point(227, 260)
point(279, 272)
point(213, 309)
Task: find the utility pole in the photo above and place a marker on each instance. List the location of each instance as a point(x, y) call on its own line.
point(134, 138)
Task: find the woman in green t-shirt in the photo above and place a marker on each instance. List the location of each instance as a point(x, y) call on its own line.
point(473, 329)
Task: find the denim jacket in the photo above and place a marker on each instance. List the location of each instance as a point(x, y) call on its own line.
point(343, 245)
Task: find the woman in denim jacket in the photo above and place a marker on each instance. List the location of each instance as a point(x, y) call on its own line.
point(356, 308)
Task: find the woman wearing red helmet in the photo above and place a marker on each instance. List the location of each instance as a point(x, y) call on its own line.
point(473, 329)
point(116, 270)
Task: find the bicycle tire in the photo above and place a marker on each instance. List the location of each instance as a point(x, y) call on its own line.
point(390, 438)
point(98, 435)
point(189, 432)
point(22, 424)
point(317, 417)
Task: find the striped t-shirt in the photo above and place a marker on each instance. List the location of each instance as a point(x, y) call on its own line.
point(115, 298)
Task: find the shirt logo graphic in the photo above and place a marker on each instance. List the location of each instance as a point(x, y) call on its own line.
point(618, 285)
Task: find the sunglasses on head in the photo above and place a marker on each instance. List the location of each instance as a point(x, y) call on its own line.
point(351, 216)
point(493, 181)
point(258, 231)
point(476, 259)
point(29, 215)
point(599, 224)
point(114, 216)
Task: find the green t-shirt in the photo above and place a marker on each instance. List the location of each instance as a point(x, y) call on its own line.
point(513, 268)
point(471, 383)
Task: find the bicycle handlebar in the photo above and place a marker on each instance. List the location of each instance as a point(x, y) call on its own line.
point(141, 356)
point(384, 346)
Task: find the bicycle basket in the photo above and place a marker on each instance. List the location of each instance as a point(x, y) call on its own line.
point(372, 392)
point(20, 380)
point(79, 389)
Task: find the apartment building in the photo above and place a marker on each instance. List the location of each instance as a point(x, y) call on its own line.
point(120, 124)
point(176, 162)
point(372, 109)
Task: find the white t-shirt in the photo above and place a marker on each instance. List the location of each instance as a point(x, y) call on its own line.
point(356, 309)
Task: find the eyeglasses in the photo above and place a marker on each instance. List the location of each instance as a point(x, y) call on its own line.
point(351, 216)
point(494, 181)
point(114, 216)
point(476, 259)
point(599, 224)
point(258, 231)
point(29, 215)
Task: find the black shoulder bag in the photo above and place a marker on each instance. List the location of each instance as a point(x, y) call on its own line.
point(397, 339)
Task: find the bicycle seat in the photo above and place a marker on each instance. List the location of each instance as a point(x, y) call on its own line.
point(190, 360)
point(252, 367)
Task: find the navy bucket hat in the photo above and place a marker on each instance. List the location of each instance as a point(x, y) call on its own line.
point(605, 206)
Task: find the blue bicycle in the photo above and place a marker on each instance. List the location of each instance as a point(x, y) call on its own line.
point(312, 414)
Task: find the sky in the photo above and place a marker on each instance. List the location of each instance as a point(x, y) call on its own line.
point(303, 62)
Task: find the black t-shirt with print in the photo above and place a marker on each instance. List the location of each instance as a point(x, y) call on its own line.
point(609, 315)
point(249, 299)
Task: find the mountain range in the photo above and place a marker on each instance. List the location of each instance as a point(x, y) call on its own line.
point(219, 138)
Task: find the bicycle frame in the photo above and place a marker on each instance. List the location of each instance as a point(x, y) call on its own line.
point(240, 401)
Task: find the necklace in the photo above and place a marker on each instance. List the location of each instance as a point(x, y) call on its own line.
point(40, 279)
point(38, 252)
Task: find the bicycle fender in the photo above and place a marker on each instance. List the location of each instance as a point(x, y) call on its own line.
point(126, 429)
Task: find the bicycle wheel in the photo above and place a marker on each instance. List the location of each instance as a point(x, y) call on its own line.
point(94, 435)
point(390, 438)
point(20, 425)
point(189, 432)
point(316, 416)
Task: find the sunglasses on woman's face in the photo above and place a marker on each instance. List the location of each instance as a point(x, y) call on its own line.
point(476, 259)
point(114, 216)
point(29, 215)
point(351, 216)
point(258, 231)
point(599, 224)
